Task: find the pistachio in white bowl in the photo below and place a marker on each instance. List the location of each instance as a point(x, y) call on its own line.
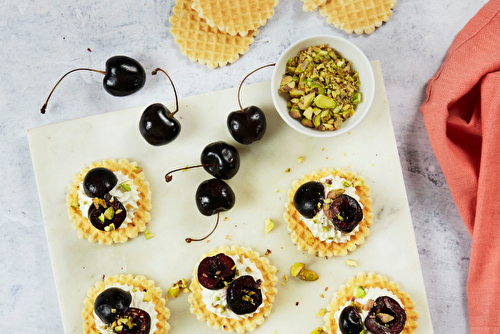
point(326, 90)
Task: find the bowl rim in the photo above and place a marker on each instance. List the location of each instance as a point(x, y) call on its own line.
point(368, 81)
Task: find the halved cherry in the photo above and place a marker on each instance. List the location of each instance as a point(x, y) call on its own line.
point(214, 272)
point(134, 321)
point(244, 295)
point(344, 212)
point(386, 317)
point(106, 211)
point(111, 304)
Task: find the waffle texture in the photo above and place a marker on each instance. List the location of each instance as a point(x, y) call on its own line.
point(311, 5)
point(303, 237)
point(358, 16)
point(240, 326)
point(202, 43)
point(235, 17)
point(372, 280)
point(141, 217)
point(139, 282)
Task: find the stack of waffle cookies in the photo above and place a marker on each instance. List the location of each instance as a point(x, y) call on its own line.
point(358, 16)
point(216, 32)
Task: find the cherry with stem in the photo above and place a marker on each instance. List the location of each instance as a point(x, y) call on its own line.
point(123, 76)
point(158, 125)
point(247, 124)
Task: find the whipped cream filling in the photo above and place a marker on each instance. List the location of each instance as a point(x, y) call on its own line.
point(320, 226)
point(137, 302)
point(129, 198)
point(371, 293)
point(215, 300)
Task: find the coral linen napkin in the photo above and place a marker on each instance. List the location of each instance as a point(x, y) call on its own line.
point(462, 117)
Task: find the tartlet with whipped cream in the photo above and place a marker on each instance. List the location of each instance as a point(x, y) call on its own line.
point(131, 189)
point(363, 292)
point(145, 296)
point(212, 304)
point(317, 235)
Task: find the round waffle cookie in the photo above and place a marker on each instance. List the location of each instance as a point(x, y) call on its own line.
point(139, 282)
point(235, 17)
point(247, 324)
point(202, 43)
point(311, 5)
point(345, 293)
point(141, 217)
point(359, 16)
point(303, 237)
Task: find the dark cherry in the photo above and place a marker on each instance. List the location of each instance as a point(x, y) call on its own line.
point(308, 198)
point(157, 125)
point(244, 295)
point(214, 196)
point(214, 272)
point(96, 212)
point(389, 306)
point(249, 124)
point(123, 76)
point(141, 322)
point(345, 213)
point(221, 160)
point(111, 304)
point(98, 182)
point(350, 321)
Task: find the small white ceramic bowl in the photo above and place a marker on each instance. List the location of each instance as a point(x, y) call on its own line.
point(359, 63)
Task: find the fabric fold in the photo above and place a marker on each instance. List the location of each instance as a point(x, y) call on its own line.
point(462, 118)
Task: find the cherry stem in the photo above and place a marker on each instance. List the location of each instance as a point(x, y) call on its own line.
point(168, 177)
point(188, 240)
point(242, 81)
point(44, 107)
point(175, 92)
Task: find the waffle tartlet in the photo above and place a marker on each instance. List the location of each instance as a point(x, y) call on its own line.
point(370, 280)
point(139, 282)
point(304, 238)
point(227, 324)
point(141, 217)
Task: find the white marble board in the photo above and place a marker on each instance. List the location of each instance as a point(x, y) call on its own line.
point(60, 150)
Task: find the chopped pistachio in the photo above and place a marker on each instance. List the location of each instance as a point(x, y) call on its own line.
point(300, 159)
point(148, 234)
point(269, 225)
point(321, 312)
point(359, 292)
point(308, 275)
point(351, 263)
point(136, 169)
point(174, 291)
point(109, 228)
point(318, 330)
point(109, 213)
point(287, 170)
point(148, 296)
point(126, 186)
point(384, 317)
point(297, 268)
